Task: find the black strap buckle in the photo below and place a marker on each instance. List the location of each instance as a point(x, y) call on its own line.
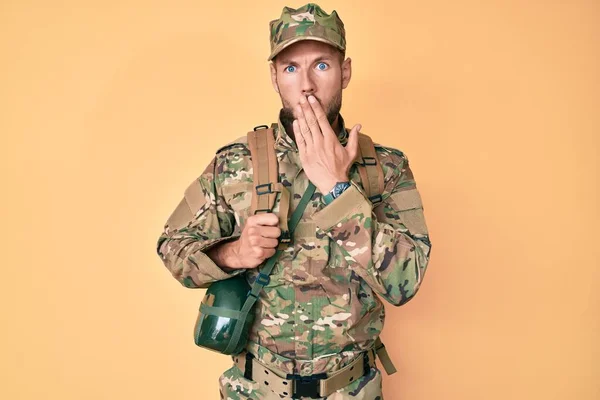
point(307, 386)
point(376, 199)
point(285, 237)
point(369, 161)
point(269, 189)
point(248, 369)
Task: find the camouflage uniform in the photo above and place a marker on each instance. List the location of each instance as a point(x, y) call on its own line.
point(320, 309)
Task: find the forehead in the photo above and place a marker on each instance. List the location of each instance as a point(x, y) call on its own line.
point(306, 49)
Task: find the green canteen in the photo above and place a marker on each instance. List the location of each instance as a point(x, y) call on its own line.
point(220, 312)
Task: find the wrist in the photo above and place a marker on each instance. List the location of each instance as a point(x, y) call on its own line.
point(231, 254)
point(330, 184)
point(225, 255)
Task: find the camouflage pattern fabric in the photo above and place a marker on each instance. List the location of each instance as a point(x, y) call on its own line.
point(306, 22)
point(322, 305)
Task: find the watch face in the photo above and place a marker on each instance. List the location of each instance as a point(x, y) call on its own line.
point(339, 188)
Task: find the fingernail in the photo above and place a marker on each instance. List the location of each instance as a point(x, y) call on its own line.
point(302, 99)
point(312, 99)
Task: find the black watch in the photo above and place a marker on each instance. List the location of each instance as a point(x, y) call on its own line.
point(337, 190)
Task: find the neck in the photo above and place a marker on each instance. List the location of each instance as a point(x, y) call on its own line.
point(336, 125)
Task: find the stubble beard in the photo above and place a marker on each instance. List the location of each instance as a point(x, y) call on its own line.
point(286, 114)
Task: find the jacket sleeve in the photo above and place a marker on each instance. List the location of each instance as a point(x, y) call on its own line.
point(388, 247)
point(200, 221)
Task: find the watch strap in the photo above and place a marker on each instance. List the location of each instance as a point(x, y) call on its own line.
point(328, 198)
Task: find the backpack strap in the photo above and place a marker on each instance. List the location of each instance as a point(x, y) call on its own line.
point(369, 168)
point(384, 357)
point(265, 175)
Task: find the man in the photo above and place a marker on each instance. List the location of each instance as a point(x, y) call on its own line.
point(320, 311)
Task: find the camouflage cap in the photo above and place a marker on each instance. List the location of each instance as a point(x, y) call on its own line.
point(308, 22)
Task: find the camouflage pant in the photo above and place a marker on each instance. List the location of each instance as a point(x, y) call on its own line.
point(233, 386)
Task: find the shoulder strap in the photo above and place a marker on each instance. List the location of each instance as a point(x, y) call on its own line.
point(265, 175)
point(384, 357)
point(369, 168)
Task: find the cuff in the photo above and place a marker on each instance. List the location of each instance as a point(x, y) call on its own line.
point(212, 270)
point(352, 201)
point(209, 266)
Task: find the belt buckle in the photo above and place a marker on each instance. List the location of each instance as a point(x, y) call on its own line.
point(307, 386)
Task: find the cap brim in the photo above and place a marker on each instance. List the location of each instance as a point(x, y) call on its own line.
point(291, 41)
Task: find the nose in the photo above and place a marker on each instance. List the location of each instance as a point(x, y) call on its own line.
point(307, 84)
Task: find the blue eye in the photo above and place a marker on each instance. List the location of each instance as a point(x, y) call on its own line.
point(288, 68)
point(324, 66)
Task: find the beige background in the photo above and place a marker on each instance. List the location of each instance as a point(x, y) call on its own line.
point(109, 109)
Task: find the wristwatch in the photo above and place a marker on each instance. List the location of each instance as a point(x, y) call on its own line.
point(336, 191)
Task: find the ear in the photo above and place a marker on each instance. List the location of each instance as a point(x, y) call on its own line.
point(346, 72)
point(274, 76)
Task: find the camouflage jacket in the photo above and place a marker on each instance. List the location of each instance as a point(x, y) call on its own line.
point(321, 299)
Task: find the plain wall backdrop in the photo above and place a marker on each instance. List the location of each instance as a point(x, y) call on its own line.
point(109, 109)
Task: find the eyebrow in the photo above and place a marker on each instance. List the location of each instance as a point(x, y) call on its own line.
point(320, 58)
